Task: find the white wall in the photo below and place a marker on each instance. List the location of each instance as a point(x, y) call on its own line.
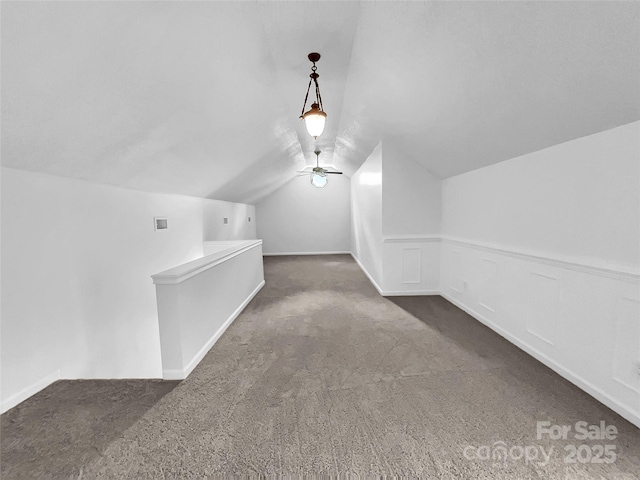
point(396, 208)
point(411, 210)
point(544, 249)
point(366, 216)
point(77, 297)
point(411, 195)
point(241, 221)
point(299, 218)
point(578, 199)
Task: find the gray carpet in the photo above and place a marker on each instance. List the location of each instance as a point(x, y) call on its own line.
point(320, 375)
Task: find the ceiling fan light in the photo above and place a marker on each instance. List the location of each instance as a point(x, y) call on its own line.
point(314, 120)
point(318, 180)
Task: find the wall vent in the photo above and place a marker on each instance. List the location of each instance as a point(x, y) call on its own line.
point(160, 223)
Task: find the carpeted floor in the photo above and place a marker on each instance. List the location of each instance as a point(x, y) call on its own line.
point(321, 375)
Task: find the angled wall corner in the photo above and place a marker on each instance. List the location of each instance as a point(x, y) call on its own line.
point(411, 220)
point(366, 217)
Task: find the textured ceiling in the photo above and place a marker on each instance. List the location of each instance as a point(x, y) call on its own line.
point(203, 98)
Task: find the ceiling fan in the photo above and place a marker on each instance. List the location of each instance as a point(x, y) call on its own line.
point(318, 174)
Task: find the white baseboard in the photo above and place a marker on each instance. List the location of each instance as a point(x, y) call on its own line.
point(181, 374)
point(409, 293)
point(393, 293)
point(277, 254)
point(577, 380)
point(373, 282)
point(27, 392)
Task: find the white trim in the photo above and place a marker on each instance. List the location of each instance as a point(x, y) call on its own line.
point(368, 275)
point(187, 270)
point(181, 374)
point(544, 275)
point(614, 364)
point(174, 374)
point(411, 238)
point(594, 267)
point(278, 254)
point(626, 385)
point(578, 265)
point(222, 243)
point(392, 293)
point(574, 378)
point(29, 391)
point(540, 337)
point(409, 293)
point(485, 306)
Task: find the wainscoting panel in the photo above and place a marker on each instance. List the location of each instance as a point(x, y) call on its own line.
point(411, 265)
point(582, 320)
point(626, 358)
point(543, 307)
point(487, 287)
point(455, 281)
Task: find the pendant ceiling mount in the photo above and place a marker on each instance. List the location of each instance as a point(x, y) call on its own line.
point(315, 118)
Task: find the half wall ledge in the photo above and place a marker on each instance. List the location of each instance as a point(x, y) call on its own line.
point(197, 301)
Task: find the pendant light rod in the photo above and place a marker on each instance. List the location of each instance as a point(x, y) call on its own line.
point(315, 118)
point(313, 57)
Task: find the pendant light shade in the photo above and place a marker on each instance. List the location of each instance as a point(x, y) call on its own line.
point(315, 118)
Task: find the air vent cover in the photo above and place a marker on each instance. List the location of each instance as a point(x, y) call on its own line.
point(160, 223)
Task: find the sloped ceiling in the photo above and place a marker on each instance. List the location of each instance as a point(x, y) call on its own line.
point(203, 98)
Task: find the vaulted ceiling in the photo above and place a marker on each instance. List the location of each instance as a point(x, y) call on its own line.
point(203, 98)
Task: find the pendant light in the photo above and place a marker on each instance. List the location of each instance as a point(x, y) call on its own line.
point(315, 118)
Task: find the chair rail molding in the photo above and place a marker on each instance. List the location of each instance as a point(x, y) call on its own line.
point(591, 266)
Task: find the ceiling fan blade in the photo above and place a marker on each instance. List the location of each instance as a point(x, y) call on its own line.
point(335, 173)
